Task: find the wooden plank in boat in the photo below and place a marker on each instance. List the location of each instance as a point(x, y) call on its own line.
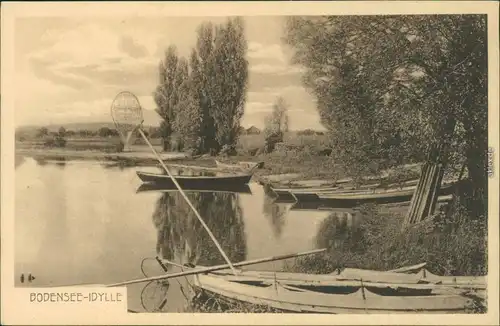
point(350, 274)
point(351, 283)
point(407, 269)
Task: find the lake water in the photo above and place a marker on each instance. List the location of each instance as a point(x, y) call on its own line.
point(85, 222)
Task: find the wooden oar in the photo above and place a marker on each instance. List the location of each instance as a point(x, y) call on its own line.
point(216, 268)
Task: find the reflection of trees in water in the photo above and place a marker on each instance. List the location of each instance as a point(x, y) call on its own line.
point(276, 213)
point(40, 161)
point(58, 161)
point(182, 237)
point(339, 231)
point(19, 159)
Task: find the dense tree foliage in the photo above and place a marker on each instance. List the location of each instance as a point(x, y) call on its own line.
point(396, 89)
point(42, 132)
point(202, 99)
point(107, 132)
point(172, 73)
point(187, 122)
point(231, 72)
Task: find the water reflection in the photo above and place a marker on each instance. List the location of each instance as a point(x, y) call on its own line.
point(59, 209)
point(340, 231)
point(275, 212)
point(182, 238)
point(40, 161)
point(18, 160)
point(238, 188)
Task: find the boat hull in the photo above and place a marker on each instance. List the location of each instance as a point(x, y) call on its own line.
point(387, 197)
point(352, 199)
point(354, 300)
point(195, 181)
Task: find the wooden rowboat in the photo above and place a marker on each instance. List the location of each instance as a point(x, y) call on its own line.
point(195, 181)
point(341, 189)
point(336, 294)
point(350, 199)
point(385, 196)
point(413, 277)
point(343, 297)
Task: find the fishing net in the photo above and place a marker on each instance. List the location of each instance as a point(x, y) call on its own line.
point(154, 293)
point(126, 112)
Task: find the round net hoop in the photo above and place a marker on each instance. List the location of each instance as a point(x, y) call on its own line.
point(126, 112)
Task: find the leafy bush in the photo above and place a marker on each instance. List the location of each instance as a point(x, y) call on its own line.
point(306, 132)
point(56, 141)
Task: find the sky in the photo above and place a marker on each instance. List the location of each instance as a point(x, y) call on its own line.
point(71, 69)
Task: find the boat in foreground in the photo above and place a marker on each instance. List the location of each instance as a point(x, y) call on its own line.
point(195, 181)
point(351, 291)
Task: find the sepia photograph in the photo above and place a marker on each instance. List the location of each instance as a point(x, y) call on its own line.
point(268, 164)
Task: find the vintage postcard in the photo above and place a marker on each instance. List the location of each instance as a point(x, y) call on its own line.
point(250, 163)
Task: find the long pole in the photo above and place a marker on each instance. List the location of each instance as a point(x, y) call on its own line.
point(188, 201)
point(216, 268)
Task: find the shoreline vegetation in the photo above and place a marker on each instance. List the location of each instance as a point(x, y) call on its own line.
point(299, 160)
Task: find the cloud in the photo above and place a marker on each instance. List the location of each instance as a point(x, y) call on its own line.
point(92, 55)
point(263, 81)
point(276, 69)
point(130, 46)
point(269, 51)
point(269, 68)
point(74, 68)
point(258, 107)
point(48, 70)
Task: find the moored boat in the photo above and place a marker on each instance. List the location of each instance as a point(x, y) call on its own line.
point(341, 189)
point(314, 205)
point(357, 291)
point(418, 277)
point(382, 196)
point(195, 181)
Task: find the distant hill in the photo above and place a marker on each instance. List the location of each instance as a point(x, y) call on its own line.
point(91, 126)
point(151, 119)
